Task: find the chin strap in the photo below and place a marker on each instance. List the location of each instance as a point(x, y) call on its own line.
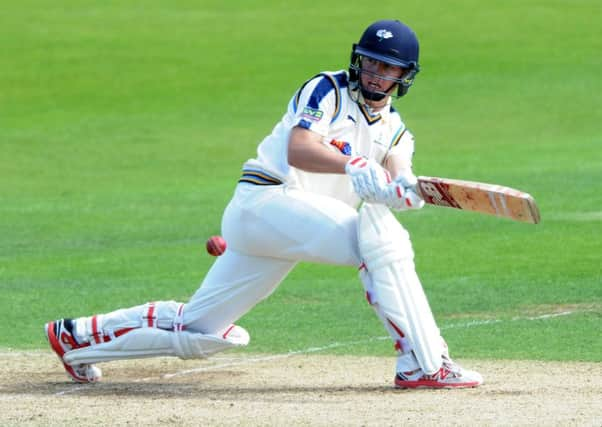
point(358, 94)
point(372, 96)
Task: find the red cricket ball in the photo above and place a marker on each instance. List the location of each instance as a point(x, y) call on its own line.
point(216, 245)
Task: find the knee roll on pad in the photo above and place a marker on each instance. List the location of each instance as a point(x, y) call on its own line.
point(194, 345)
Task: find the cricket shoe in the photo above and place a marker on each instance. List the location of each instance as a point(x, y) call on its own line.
point(450, 375)
point(61, 340)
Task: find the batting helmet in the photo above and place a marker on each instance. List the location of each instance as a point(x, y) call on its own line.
point(391, 42)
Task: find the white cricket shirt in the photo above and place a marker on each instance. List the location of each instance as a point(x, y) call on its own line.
point(324, 105)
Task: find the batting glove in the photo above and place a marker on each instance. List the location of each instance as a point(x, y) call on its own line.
point(402, 193)
point(369, 179)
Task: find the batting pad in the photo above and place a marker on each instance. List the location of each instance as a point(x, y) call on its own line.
point(396, 291)
point(153, 342)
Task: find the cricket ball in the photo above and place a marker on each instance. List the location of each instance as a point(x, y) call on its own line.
point(216, 245)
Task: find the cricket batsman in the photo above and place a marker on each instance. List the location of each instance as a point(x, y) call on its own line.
point(320, 189)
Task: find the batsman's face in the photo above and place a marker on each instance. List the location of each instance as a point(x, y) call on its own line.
point(379, 76)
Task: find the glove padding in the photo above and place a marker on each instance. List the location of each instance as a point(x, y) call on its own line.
point(369, 179)
point(402, 194)
point(373, 184)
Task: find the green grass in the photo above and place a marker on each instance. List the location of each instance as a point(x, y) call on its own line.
point(124, 125)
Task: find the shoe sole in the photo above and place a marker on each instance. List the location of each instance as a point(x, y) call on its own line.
point(53, 340)
point(433, 384)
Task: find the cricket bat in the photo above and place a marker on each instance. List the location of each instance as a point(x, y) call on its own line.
point(480, 197)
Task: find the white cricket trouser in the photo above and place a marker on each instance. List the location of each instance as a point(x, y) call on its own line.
point(268, 230)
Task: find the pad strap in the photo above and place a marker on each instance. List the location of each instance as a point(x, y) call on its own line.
point(149, 319)
point(178, 322)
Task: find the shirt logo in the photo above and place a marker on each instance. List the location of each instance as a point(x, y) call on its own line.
point(384, 34)
point(343, 146)
point(312, 114)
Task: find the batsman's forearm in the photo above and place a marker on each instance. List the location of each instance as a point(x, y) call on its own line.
point(306, 152)
point(397, 166)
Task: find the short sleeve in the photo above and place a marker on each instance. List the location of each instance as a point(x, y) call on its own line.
point(316, 104)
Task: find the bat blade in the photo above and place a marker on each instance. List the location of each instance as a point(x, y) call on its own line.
point(480, 197)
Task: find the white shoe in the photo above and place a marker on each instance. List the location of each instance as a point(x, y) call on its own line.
point(450, 375)
point(61, 340)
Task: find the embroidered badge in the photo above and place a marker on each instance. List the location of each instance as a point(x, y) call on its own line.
point(312, 114)
point(384, 34)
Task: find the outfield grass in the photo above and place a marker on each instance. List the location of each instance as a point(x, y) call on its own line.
point(123, 127)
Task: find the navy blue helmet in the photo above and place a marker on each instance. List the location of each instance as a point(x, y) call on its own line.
point(391, 42)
